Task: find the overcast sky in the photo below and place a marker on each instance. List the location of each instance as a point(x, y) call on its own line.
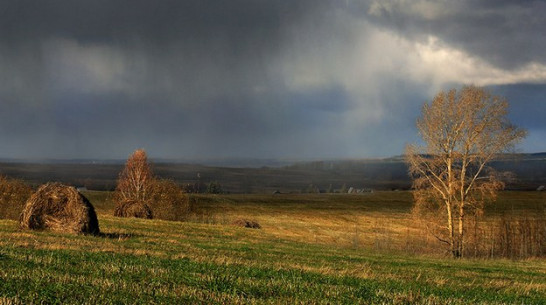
point(255, 78)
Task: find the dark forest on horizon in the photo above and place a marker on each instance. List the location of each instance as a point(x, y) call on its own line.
point(300, 177)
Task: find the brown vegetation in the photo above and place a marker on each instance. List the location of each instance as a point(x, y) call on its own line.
point(169, 201)
point(133, 208)
point(134, 187)
point(509, 236)
point(520, 237)
point(462, 131)
point(13, 195)
point(140, 194)
point(244, 223)
point(59, 208)
point(136, 179)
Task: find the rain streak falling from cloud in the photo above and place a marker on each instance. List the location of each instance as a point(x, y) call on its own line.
point(261, 79)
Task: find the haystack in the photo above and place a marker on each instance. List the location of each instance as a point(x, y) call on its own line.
point(59, 208)
point(245, 223)
point(133, 208)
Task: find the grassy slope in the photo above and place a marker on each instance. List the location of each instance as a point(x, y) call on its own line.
point(307, 252)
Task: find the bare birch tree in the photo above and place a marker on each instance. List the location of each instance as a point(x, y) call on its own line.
point(462, 132)
point(136, 180)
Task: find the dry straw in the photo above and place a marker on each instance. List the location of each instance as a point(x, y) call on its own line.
point(245, 223)
point(133, 208)
point(13, 195)
point(59, 208)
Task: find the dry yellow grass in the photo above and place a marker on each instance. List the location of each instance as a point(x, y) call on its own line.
point(325, 219)
point(312, 247)
point(379, 221)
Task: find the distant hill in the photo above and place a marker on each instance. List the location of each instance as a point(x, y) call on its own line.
point(541, 155)
point(255, 177)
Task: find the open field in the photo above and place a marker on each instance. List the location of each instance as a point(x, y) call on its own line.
point(337, 249)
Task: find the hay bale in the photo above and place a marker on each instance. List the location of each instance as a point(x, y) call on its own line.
point(133, 208)
point(59, 208)
point(244, 223)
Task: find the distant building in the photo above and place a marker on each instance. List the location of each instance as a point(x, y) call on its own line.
point(353, 190)
point(81, 188)
point(540, 188)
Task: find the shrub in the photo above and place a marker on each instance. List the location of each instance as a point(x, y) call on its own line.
point(245, 223)
point(169, 201)
point(133, 208)
point(215, 188)
point(13, 195)
point(140, 194)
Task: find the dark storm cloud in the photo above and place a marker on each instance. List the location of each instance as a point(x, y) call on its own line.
point(171, 39)
point(505, 33)
point(106, 21)
point(528, 103)
point(238, 78)
point(144, 71)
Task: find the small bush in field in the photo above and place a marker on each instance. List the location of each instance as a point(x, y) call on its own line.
point(168, 201)
point(215, 188)
point(13, 195)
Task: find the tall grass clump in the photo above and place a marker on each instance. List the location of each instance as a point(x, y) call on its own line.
point(510, 236)
point(521, 237)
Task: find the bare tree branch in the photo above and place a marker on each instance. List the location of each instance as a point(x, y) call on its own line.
point(463, 131)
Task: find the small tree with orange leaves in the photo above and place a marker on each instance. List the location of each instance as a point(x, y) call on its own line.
point(462, 132)
point(140, 194)
point(136, 180)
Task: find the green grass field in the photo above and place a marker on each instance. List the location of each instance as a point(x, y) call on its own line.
point(317, 249)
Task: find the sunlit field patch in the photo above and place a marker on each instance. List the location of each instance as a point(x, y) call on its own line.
point(343, 249)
